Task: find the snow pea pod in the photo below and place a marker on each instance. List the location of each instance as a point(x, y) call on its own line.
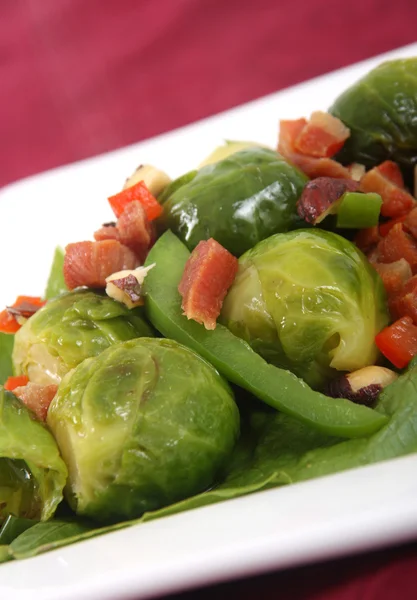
point(235, 359)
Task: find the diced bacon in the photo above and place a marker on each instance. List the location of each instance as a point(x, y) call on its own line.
point(398, 244)
point(319, 167)
point(410, 222)
point(208, 274)
point(395, 201)
point(366, 239)
point(107, 232)
point(391, 171)
point(288, 133)
point(394, 275)
point(135, 230)
point(89, 263)
point(36, 397)
point(404, 303)
point(386, 227)
point(322, 137)
point(320, 194)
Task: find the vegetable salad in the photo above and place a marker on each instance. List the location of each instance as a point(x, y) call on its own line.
point(248, 325)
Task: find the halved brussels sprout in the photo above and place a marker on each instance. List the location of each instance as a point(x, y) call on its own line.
point(69, 329)
point(381, 113)
point(32, 473)
point(308, 301)
point(146, 423)
point(238, 201)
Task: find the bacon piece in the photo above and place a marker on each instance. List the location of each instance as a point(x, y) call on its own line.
point(208, 274)
point(368, 238)
point(89, 263)
point(319, 194)
point(135, 230)
point(410, 222)
point(313, 167)
point(323, 136)
point(394, 275)
point(36, 397)
point(107, 232)
point(398, 244)
point(404, 303)
point(391, 171)
point(395, 201)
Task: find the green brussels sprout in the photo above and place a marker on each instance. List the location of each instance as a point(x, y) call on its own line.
point(32, 475)
point(69, 329)
point(381, 113)
point(308, 301)
point(146, 423)
point(238, 201)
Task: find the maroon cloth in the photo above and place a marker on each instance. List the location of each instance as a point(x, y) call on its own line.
point(80, 77)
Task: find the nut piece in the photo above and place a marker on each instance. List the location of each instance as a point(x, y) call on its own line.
point(126, 286)
point(155, 180)
point(362, 386)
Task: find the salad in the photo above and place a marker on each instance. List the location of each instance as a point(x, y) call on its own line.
point(249, 325)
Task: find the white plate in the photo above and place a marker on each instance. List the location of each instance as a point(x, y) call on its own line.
point(328, 517)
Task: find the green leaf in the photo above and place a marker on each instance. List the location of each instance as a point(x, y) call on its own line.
point(6, 349)
point(56, 284)
point(13, 527)
point(4, 554)
point(46, 536)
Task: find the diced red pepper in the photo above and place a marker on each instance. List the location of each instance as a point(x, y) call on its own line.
point(208, 274)
point(398, 342)
point(396, 202)
point(8, 323)
point(322, 137)
point(12, 383)
point(24, 306)
point(140, 192)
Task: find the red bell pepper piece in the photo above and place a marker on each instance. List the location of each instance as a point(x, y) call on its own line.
point(12, 383)
point(398, 342)
point(24, 306)
point(140, 192)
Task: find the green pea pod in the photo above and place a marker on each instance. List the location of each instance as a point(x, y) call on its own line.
point(235, 359)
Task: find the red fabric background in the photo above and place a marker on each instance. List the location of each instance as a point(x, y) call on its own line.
point(80, 77)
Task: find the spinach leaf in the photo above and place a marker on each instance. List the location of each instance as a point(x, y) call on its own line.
point(56, 284)
point(6, 349)
point(13, 527)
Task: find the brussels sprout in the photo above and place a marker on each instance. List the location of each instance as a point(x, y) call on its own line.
point(381, 113)
point(308, 301)
point(32, 475)
point(69, 329)
point(238, 201)
point(226, 150)
point(146, 423)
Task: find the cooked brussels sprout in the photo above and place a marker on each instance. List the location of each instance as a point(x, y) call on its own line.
point(32, 473)
point(308, 301)
point(146, 423)
point(69, 329)
point(226, 150)
point(381, 113)
point(238, 201)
